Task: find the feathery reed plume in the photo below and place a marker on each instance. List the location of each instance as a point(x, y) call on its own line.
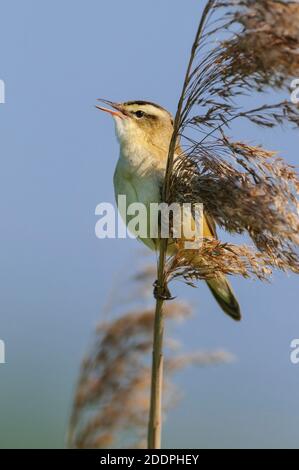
point(244, 189)
point(266, 44)
point(241, 46)
point(112, 396)
point(258, 51)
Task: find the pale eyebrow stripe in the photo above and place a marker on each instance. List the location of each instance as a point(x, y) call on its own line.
point(142, 103)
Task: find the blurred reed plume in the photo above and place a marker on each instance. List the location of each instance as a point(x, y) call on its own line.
point(112, 396)
point(241, 48)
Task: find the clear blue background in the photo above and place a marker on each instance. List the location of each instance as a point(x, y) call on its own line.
point(57, 160)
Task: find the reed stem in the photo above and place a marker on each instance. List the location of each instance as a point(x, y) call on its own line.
point(155, 414)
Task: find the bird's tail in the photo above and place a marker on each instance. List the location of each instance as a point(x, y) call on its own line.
point(225, 297)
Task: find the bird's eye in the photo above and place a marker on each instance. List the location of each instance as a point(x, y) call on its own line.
point(139, 114)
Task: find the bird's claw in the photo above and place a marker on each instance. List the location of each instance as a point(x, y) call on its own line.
point(162, 292)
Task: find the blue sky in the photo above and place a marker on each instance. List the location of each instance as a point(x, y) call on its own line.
point(57, 161)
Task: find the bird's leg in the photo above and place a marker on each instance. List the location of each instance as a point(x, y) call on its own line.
point(162, 292)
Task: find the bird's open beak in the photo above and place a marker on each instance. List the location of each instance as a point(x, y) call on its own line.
point(117, 107)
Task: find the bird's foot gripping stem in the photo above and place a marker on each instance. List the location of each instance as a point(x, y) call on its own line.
point(162, 292)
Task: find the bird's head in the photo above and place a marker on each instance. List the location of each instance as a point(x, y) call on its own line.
point(141, 123)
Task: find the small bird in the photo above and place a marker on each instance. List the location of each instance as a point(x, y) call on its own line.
point(144, 131)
